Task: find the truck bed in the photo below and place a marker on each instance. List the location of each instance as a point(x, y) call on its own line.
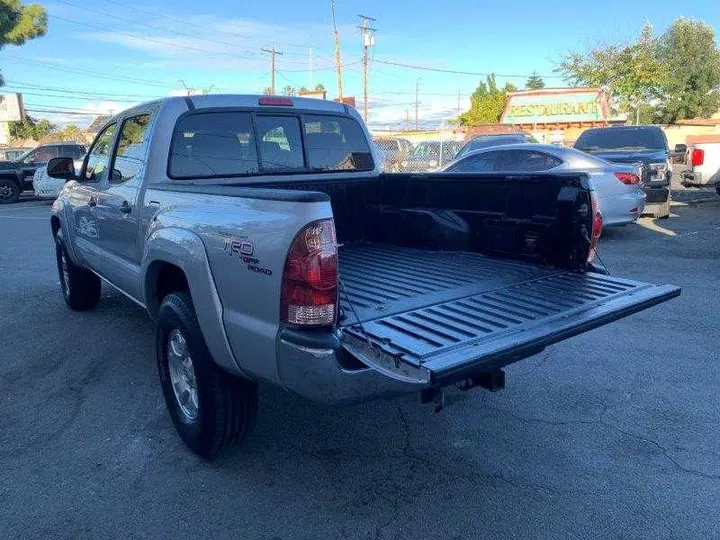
point(432, 314)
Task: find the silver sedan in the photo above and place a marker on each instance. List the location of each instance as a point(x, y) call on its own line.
point(619, 187)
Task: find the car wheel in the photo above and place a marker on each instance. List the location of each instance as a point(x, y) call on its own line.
point(211, 409)
point(80, 287)
point(9, 191)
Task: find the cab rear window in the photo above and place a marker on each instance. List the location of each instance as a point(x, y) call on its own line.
point(221, 144)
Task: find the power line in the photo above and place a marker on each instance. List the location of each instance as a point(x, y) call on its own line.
point(194, 24)
point(152, 40)
point(95, 74)
point(455, 72)
point(25, 85)
point(147, 25)
point(80, 98)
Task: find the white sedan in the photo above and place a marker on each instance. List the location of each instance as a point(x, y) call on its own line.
point(46, 187)
point(619, 186)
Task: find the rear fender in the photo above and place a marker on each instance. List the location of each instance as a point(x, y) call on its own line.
point(185, 250)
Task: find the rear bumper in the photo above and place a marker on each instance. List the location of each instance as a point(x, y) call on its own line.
point(622, 209)
point(316, 367)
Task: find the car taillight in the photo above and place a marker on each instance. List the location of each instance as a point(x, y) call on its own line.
point(597, 224)
point(697, 157)
point(310, 277)
point(627, 178)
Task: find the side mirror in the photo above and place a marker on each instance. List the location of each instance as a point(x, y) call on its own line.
point(62, 168)
point(680, 149)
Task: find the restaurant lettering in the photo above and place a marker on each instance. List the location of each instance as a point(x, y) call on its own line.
point(553, 109)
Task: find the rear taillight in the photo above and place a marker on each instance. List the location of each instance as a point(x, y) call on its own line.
point(627, 178)
point(309, 283)
point(697, 157)
point(597, 225)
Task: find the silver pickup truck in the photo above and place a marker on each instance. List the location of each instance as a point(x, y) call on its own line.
point(264, 241)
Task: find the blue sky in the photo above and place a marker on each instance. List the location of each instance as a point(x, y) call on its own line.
point(105, 55)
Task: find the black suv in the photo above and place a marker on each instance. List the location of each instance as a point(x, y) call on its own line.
point(636, 144)
point(16, 176)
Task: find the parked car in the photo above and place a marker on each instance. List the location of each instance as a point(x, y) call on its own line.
point(430, 155)
point(16, 176)
point(395, 150)
point(703, 161)
point(632, 144)
point(486, 141)
point(619, 187)
point(266, 244)
point(8, 154)
point(46, 187)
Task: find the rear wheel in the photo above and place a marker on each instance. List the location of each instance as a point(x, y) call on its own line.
point(210, 408)
point(9, 191)
point(80, 287)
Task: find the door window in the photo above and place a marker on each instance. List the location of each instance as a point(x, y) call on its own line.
point(99, 156)
point(132, 144)
point(526, 161)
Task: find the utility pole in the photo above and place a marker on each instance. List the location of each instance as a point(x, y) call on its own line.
point(417, 102)
point(338, 65)
point(368, 35)
point(272, 52)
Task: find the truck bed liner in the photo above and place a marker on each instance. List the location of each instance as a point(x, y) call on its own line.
point(434, 311)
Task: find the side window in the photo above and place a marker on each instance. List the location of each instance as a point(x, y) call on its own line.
point(44, 154)
point(99, 156)
point(207, 145)
point(30, 158)
point(479, 163)
point(526, 161)
point(280, 143)
point(131, 149)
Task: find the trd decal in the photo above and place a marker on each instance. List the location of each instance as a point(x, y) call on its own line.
point(242, 250)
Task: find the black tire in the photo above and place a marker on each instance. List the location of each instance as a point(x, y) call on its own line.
point(80, 287)
point(225, 406)
point(9, 191)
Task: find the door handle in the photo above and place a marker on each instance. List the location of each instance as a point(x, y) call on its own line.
point(92, 201)
point(125, 207)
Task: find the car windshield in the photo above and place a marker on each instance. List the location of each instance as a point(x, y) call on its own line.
point(22, 156)
point(626, 139)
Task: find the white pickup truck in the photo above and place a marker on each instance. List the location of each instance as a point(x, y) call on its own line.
point(264, 241)
point(703, 160)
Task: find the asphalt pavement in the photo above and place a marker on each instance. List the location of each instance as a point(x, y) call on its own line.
point(612, 434)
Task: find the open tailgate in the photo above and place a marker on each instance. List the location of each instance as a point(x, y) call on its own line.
point(447, 341)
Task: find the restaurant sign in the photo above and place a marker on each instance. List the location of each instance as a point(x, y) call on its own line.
point(555, 106)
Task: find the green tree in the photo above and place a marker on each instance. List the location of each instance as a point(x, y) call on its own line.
point(319, 87)
point(267, 91)
point(535, 82)
point(486, 103)
point(288, 90)
point(19, 23)
point(691, 87)
point(631, 72)
point(31, 128)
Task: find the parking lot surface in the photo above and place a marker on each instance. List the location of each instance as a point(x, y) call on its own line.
point(612, 434)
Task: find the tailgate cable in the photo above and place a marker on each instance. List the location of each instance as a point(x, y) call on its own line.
point(587, 239)
point(373, 348)
point(359, 322)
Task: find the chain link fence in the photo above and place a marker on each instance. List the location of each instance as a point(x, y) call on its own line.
point(418, 150)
